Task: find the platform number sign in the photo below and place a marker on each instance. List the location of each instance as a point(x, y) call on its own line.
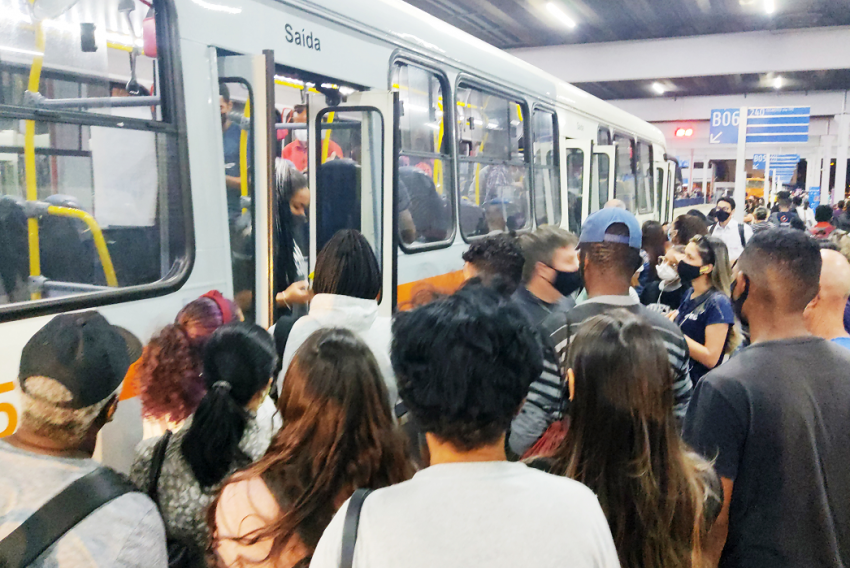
point(765, 125)
point(724, 126)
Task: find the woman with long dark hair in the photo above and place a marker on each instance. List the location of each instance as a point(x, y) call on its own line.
point(705, 314)
point(219, 438)
point(291, 240)
point(659, 497)
point(347, 282)
point(338, 435)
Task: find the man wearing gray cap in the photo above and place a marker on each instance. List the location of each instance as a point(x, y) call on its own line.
point(58, 507)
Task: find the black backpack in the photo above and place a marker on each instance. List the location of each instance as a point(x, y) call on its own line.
point(182, 553)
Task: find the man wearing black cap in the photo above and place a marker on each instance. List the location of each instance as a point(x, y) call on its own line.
point(609, 255)
point(70, 374)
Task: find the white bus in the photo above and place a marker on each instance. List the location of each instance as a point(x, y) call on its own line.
point(113, 190)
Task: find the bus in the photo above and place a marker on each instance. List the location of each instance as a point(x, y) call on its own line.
point(139, 141)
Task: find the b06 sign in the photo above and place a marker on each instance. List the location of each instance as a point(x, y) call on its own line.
point(724, 126)
point(725, 117)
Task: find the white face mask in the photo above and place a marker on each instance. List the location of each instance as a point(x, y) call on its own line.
point(300, 135)
point(667, 273)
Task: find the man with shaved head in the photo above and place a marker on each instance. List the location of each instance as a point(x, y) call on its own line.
point(825, 314)
point(776, 418)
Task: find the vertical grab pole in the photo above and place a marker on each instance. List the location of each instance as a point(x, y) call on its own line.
point(243, 155)
point(29, 159)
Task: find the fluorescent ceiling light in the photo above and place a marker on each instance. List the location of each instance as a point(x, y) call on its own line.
point(778, 82)
point(658, 88)
point(560, 15)
point(769, 6)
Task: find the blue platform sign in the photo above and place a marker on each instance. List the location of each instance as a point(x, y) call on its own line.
point(764, 125)
point(814, 197)
point(781, 165)
point(724, 126)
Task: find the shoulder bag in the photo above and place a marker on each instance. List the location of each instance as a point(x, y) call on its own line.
point(59, 515)
point(349, 527)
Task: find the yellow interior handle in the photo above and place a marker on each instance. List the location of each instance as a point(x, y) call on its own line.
point(243, 156)
point(99, 241)
point(326, 141)
point(29, 159)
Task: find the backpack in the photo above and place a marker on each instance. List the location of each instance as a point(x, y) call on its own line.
point(740, 233)
point(182, 553)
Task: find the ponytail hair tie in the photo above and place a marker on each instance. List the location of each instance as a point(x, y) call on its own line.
point(222, 385)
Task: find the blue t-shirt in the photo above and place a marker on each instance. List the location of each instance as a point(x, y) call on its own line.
point(842, 341)
point(231, 167)
point(696, 314)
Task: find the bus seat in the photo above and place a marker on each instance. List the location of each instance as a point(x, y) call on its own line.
point(338, 194)
point(67, 248)
point(428, 209)
point(14, 251)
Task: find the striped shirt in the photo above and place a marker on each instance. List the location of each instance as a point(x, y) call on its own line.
point(547, 395)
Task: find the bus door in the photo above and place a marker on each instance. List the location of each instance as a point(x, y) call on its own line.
point(351, 173)
point(248, 137)
point(670, 189)
point(575, 157)
point(601, 180)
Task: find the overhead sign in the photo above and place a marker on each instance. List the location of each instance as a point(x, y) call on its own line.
point(764, 125)
point(778, 124)
point(724, 126)
point(782, 166)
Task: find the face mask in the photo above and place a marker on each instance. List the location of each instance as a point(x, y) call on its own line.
point(567, 282)
point(738, 303)
point(688, 272)
point(722, 215)
point(667, 273)
point(300, 135)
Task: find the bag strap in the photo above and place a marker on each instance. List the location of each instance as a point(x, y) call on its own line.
point(61, 514)
point(741, 234)
point(156, 465)
point(349, 527)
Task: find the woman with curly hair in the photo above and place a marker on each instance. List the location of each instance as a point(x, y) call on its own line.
point(168, 375)
point(338, 435)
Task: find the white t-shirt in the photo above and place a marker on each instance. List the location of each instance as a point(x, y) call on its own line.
point(488, 514)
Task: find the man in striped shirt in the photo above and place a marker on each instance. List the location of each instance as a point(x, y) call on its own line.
point(609, 255)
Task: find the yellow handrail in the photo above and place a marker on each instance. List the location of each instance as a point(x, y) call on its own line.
point(243, 156)
point(29, 159)
point(99, 241)
point(326, 141)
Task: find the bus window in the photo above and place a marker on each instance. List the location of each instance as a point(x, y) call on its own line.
point(603, 136)
point(624, 182)
point(349, 190)
point(643, 178)
point(424, 164)
point(547, 179)
point(93, 194)
point(575, 183)
point(659, 190)
point(493, 171)
point(601, 165)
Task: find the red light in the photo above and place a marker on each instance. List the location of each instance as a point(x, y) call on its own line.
point(689, 132)
point(684, 132)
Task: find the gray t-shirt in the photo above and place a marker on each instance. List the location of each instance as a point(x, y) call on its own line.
point(494, 514)
point(126, 532)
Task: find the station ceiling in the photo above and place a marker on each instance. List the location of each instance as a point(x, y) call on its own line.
point(529, 23)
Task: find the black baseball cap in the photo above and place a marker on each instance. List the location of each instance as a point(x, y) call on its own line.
point(83, 352)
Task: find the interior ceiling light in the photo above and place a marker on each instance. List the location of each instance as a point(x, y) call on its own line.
point(560, 15)
point(769, 7)
point(658, 88)
point(778, 81)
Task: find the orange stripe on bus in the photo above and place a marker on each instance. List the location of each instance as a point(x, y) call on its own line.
point(443, 283)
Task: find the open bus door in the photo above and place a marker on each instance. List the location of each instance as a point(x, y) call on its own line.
point(575, 177)
point(354, 190)
point(601, 176)
point(249, 81)
point(670, 189)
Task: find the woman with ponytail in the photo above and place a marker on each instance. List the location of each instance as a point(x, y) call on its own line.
point(168, 375)
point(338, 435)
point(220, 437)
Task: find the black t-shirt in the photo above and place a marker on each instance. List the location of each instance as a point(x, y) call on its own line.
point(777, 418)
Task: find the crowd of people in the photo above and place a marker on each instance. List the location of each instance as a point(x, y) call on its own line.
point(632, 396)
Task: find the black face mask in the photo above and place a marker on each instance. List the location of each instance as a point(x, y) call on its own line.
point(738, 303)
point(688, 272)
point(567, 282)
point(722, 215)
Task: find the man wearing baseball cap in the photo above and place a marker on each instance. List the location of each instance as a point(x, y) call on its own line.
point(70, 374)
point(609, 255)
